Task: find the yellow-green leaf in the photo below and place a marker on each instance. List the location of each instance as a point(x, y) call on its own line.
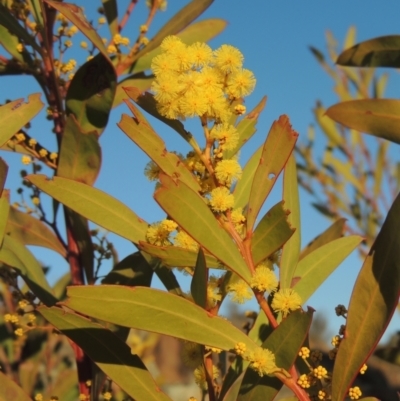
point(157, 311)
point(276, 151)
point(9, 390)
point(16, 255)
point(140, 132)
point(16, 114)
point(30, 231)
point(291, 249)
point(316, 267)
point(93, 204)
point(140, 81)
point(378, 117)
point(190, 211)
point(108, 352)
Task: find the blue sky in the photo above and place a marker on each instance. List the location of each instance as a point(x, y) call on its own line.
point(274, 37)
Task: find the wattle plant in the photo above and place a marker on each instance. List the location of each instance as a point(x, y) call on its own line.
point(213, 230)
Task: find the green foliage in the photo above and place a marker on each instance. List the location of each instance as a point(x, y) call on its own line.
point(213, 219)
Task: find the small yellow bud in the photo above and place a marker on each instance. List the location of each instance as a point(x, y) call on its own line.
point(20, 47)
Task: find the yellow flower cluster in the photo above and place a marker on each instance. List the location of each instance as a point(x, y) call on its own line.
point(200, 376)
point(159, 233)
point(262, 360)
point(355, 393)
point(196, 81)
point(264, 279)
point(285, 301)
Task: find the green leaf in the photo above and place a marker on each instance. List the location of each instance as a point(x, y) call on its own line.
point(198, 286)
point(175, 256)
point(132, 271)
point(35, 7)
point(316, 267)
point(271, 233)
point(16, 29)
point(139, 81)
point(285, 342)
point(373, 301)
point(291, 249)
point(333, 232)
point(178, 22)
point(16, 114)
point(16, 255)
point(111, 13)
point(276, 151)
point(93, 204)
point(108, 352)
point(91, 94)
point(378, 52)
point(380, 166)
point(167, 277)
point(4, 213)
point(80, 154)
point(75, 14)
point(378, 117)
point(9, 390)
point(199, 31)
point(243, 186)
point(190, 211)
point(60, 287)
point(156, 311)
point(246, 128)
point(140, 132)
point(28, 230)
point(328, 127)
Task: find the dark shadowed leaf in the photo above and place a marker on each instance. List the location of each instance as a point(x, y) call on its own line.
point(111, 13)
point(271, 233)
point(373, 301)
point(198, 286)
point(378, 52)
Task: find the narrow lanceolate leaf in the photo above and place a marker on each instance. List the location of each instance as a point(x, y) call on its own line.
point(95, 205)
point(140, 81)
point(9, 390)
point(190, 211)
point(285, 342)
point(317, 266)
point(174, 256)
point(157, 311)
point(328, 126)
point(178, 22)
point(108, 352)
point(271, 233)
point(199, 31)
point(16, 255)
point(91, 94)
point(246, 128)
point(380, 166)
point(333, 232)
point(111, 13)
point(373, 301)
point(147, 139)
point(198, 286)
point(4, 213)
point(30, 231)
point(3, 174)
point(16, 114)
point(378, 52)
point(276, 151)
point(378, 117)
point(243, 186)
point(76, 15)
point(80, 153)
point(291, 250)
